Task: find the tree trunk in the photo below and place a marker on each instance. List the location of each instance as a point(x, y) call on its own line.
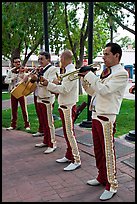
point(15, 53)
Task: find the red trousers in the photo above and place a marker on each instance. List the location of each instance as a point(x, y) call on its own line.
point(47, 124)
point(14, 109)
point(100, 152)
point(40, 128)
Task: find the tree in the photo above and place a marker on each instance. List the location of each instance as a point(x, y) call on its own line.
point(22, 26)
point(118, 12)
point(75, 36)
point(125, 41)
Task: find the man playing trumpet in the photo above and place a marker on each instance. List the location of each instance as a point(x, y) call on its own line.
point(107, 95)
point(67, 98)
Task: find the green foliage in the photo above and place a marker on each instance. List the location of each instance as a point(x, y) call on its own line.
point(22, 26)
point(125, 41)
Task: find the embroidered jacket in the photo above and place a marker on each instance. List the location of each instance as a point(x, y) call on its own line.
point(109, 91)
point(68, 90)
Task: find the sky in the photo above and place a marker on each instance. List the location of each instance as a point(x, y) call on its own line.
point(120, 31)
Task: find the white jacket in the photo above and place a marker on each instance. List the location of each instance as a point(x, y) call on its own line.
point(42, 92)
point(13, 79)
point(68, 90)
point(109, 91)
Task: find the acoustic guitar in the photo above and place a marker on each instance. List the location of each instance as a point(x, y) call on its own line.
point(23, 89)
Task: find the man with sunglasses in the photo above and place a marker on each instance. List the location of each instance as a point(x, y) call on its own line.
point(15, 75)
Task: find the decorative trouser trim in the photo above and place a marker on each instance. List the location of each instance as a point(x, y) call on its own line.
point(110, 159)
point(40, 128)
point(70, 134)
point(50, 122)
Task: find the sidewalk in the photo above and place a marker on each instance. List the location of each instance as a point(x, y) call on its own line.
point(28, 175)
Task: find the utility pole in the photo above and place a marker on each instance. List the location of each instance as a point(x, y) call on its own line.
point(87, 123)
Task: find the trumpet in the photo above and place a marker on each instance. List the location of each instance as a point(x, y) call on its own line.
point(74, 75)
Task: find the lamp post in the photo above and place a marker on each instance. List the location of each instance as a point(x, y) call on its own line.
point(46, 39)
point(45, 18)
point(87, 123)
point(111, 28)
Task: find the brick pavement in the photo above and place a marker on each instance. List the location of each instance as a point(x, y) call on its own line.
point(28, 175)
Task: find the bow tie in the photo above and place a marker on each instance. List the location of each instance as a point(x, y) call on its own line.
point(105, 73)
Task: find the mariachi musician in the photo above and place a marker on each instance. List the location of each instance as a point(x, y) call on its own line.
point(45, 101)
point(107, 94)
point(14, 76)
point(67, 98)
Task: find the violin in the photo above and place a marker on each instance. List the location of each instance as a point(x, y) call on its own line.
point(21, 69)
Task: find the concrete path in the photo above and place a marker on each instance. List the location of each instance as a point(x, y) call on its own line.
point(28, 175)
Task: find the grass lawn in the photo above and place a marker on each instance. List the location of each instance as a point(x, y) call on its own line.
point(125, 120)
point(5, 96)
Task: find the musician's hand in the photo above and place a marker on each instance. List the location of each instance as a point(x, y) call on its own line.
point(25, 79)
point(45, 82)
point(82, 74)
point(56, 81)
point(41, 79)
point(34, 78)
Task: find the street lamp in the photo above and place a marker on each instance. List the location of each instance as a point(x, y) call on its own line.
point(45, 16)
point(111, 28)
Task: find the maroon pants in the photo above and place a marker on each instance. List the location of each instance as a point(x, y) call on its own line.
point(40, 128)
point(14, 109)
point(43, 117)
point(99, 150)
point(68, 154)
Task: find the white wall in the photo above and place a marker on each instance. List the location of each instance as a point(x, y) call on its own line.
point(128, 57)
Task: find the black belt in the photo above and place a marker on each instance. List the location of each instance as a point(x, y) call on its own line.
point(45, 101)
point(62, 106)
point(101, 117)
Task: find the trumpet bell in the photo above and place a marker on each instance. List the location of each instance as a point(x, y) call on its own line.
point(73, 76)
